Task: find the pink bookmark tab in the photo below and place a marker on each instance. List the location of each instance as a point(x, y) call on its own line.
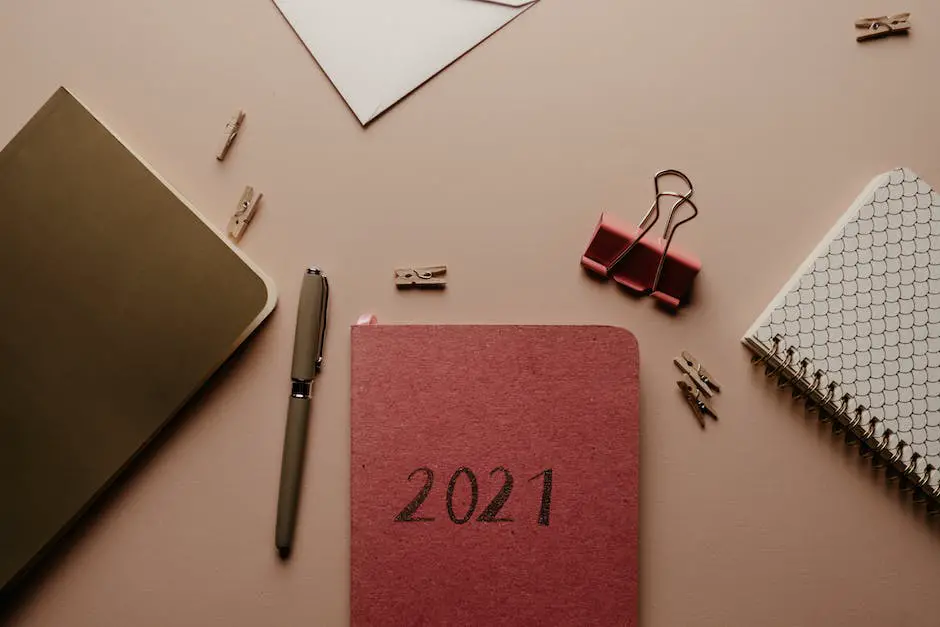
point(366, 320)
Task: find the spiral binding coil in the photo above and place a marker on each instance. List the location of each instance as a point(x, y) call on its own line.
point(875, 441)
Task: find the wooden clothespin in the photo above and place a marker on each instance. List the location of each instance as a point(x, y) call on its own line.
point(231, 132)
point(696, 400)
point(883, 26)
point(244, 212)
point(692, 368)
point(420, 277)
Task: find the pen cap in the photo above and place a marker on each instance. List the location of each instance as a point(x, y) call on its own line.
point(311, 323)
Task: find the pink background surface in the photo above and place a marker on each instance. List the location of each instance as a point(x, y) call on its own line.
point(481, 397)
point(500, 168)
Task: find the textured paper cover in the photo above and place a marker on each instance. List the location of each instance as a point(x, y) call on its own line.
point(527, 399)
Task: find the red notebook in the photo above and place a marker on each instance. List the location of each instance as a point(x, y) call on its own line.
point(495, 475)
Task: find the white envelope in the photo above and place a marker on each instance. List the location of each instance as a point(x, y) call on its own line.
point(376, 52)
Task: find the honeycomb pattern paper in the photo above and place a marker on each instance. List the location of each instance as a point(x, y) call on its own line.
point(865, 309)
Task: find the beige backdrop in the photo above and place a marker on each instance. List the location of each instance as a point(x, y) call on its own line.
point(499, 168)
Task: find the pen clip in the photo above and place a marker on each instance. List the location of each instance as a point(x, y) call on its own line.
point(323, 311)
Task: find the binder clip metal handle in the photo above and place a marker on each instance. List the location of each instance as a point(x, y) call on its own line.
point(652, 216)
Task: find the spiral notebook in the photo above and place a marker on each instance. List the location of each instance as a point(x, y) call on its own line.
point(856, 332)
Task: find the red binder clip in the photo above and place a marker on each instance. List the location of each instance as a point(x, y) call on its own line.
point(619, 251)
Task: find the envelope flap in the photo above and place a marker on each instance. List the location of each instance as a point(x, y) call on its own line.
point(375, 52)
point(511, 3)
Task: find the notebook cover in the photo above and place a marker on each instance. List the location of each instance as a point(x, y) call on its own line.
point(496, 406)
point(118, 303)
point(865, 309)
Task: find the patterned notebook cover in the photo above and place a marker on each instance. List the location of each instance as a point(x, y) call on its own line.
point(865, 309)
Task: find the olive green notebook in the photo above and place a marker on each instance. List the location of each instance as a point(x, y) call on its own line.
point(117, 302)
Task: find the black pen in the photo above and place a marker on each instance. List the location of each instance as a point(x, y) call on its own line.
point(308, 357)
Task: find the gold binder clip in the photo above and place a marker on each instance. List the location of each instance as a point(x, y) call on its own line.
point(697, 373)
point(244, 212)
point(429, 277)
point(883, 26)
point(231, 132)
point(696, 400)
